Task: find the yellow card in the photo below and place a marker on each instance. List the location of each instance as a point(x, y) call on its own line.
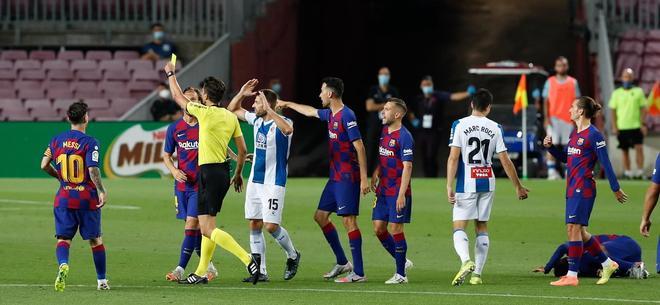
point(173, 60)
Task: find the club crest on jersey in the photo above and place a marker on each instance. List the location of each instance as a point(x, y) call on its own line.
point(261, 141)
point(335, 125)
point(580, 141)
point(392, 142)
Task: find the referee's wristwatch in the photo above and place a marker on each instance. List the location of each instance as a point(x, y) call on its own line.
point(169, 73)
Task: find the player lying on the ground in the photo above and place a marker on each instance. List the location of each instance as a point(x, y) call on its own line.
point(81, 194)
point(585, 146)
point(650, 201)
point(620, 248)
point(264, 200)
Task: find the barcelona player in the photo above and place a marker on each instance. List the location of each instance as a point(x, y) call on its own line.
point(391, 182)
point(586, 145)
point(348, 177)
point(72, 157)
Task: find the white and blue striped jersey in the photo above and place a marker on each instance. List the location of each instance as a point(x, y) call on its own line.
point(478, 138)
point(271, 151)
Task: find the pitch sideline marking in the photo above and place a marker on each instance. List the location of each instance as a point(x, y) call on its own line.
point(502, 295)
point(109, 206)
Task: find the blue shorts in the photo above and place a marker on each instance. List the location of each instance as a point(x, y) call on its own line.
point(578, 210)
point(69, 221)
point(186, 204)
point(341, 197)
point(385, 210)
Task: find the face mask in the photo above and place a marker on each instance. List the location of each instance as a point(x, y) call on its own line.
point(383, 79)
point(164, 94)
point(627, 85)
point(427, 89)
point(277, 88)
point(159, 35)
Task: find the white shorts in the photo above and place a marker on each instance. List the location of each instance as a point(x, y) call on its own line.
point(264, 201)
point(470, 206)
point(560, 131)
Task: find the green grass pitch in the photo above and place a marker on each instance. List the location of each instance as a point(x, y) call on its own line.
point(143, 239)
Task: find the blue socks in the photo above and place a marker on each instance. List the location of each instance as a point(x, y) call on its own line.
point(190, 243)
point(98, 253)
point(331, 236)
point(387, 241)
point(62, 252)
point(401, 247)
point(355, 240)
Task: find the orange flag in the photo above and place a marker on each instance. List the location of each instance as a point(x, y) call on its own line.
point(654, 100)
point(521, 95)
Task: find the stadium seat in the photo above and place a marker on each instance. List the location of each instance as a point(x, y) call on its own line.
point(62, 105)
point(37, 103)
point(84, 94)
point(122, 105)
point(14, 55)
point(146, 75)
point(83, 65)
point(6, 65)
point(6, 83)
point(126, 55)
point(626, 60)
point(42, 55)
point(113, 65)
point(83, 86)
point(140, 89)
point(98, 55)
point(43, 113)
point(27, 84)
point(8, 75)
point(119, 75)
point(28, 64)
point(114, 89)
point(102, 114)
point(634, 34)
point(57, 64)
point(140, 64)
point(7, 92)
point(59, 93)
point(31, 93)
point(70, 55)
point(15, 114)
point(56, 83)
point(653, 35)
point(97, 103)
point(10, 103)
point(93, 75)
point(60, 75)
point(652, 47)
point(32, 75)
point(635, 47)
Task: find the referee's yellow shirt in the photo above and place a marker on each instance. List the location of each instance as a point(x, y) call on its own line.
point(217, 126)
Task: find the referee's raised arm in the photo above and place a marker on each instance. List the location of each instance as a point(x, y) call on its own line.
point(175, 89)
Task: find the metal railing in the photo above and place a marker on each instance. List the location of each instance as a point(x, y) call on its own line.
point(641, 14)
point(189, 19)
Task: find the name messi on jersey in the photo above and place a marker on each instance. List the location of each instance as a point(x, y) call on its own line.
point(476, 128)
point(71, 144)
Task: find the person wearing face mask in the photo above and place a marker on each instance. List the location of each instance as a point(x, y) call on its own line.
point(559, 92)
point(376, 99)
point(164, 109)
point(275, 85)
point(427, 118)
point(628, 108)
point(159, 47)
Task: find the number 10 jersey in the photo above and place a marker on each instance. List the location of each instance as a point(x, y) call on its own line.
point(478, 138)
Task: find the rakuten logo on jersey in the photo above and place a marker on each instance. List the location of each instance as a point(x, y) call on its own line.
point(481, 172)
point(385, 152)
point(332, 135)
point(574, 151)
point(188, 145)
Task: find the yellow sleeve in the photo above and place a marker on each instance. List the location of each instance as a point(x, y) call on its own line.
point(614, 100)
point(237, 128)
point(196, 109)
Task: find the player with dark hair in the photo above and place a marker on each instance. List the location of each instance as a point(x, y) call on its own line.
point(81, 194)
point(348, 177)
point(217, 126)
point(391, 182)
point(266, 189)
point(650, 201)
point(586, 145)
point(473, 141)
point(622, 249)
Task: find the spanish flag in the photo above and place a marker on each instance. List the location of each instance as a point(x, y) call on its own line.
point(521, 95)
point(654, 100)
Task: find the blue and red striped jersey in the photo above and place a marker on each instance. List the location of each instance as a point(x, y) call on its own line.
point(342, 131)
point(395, 148)
point(184, 138)
point(583, 150)
point(72, 153)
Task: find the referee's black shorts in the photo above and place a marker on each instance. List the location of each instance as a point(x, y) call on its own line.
point(629, 138)
point(213, 186)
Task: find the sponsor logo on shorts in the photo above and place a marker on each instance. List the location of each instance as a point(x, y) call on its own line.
point(340, 208)
point(571, 216)
point(399, 216)
point(481, 172)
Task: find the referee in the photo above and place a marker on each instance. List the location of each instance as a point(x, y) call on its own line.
point(217, 126)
